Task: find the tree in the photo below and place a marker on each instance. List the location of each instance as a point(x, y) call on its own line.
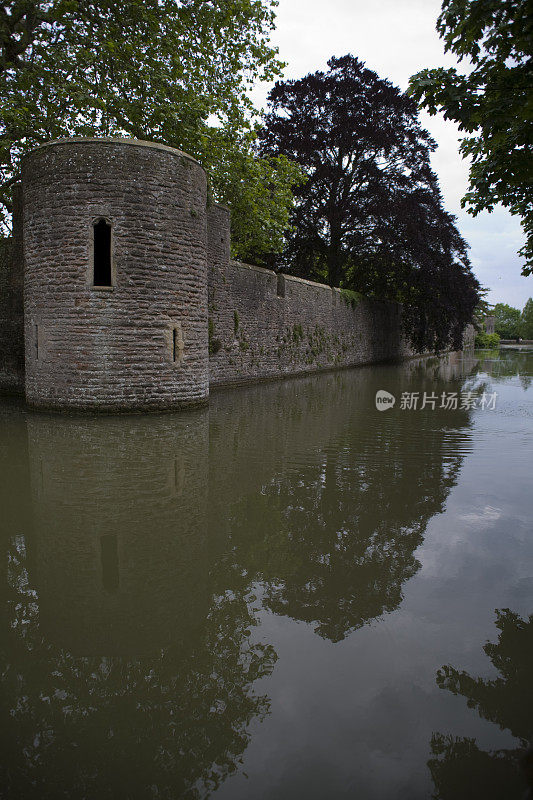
point(482, 310)
point(507, 321)
point(369, 216)
point(258, 191)
point(526, 320)
point(156, 69)
point(492, 104)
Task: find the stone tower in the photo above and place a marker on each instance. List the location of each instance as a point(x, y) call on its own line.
point(115, 291)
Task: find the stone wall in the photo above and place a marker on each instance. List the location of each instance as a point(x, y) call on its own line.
point(178, 315)
point(263, 325)
point(140, 343)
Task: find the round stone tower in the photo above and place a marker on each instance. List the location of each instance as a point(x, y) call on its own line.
point(115, 295)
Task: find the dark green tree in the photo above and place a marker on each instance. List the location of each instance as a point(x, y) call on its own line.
point(482, 310)
point(526, 320)
point(492, 104)
point(507, 321)
point(369, 217)
point(173, 71)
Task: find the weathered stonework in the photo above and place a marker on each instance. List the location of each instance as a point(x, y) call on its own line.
point(259, 334)
point(113, 347)
point(178, 315)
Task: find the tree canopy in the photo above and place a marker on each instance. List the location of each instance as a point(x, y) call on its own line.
point(369, 216)
point(526, 320)
point(173, 71)
point(492, 104)
point(506, 321)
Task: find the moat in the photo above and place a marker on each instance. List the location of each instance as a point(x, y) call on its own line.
point(286, 595)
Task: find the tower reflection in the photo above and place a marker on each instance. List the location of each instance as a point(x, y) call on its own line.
point(118, 544)
point(136, 546)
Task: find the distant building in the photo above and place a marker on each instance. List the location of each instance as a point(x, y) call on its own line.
point(489, 323)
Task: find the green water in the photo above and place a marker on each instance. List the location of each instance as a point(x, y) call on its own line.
point(286, 595)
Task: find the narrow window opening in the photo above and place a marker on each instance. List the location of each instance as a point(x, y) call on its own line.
point(174, 344)
point(281, 285)
point(109, 555)
point(102, 253)
point(37, 342)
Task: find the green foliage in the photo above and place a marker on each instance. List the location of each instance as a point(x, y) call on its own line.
point(352, 298)
point(487, 341)
point(507, 321)
point(257, 189)
point(493, 104)
point(168, 71)
point(526, 320)
point(214, 344)
point(369, 216)
point(297, 333)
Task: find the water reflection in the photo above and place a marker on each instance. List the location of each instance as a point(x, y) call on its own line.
point(126, 672)
point(459, 768)
point(138, 550)
point(508, 363)
point(117, 551)
point(171, 725)
point(332, 497)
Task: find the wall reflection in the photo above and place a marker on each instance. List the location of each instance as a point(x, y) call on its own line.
point(128, 674)
point(117, 550)
point(134, 546)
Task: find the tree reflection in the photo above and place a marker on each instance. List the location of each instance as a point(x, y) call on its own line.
point(331, 536)
point(459, 768)
point(510, 363)
point(127, 669)
point(128, 656)
point(164, 726)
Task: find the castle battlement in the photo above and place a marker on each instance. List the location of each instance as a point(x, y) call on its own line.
point(117, 291)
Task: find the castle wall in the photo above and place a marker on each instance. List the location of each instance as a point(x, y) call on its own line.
point(263, 325)
point(12, 305)
point(142, 342)
point(174, 314)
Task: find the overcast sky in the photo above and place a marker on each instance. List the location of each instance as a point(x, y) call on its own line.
point(397, 38)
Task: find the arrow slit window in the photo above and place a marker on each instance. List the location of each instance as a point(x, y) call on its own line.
point(102, 253)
